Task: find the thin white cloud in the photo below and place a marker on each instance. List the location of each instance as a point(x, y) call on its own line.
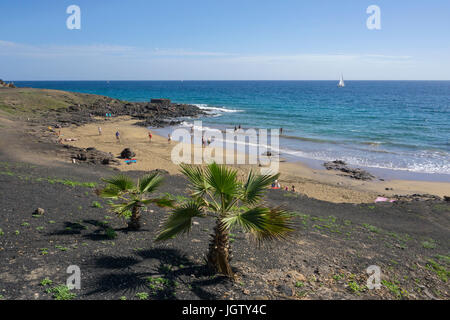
point(382, 56)
point(187, 53)
point(18, 49)
point(117, 62)
point(12, 48)
point(7, 43)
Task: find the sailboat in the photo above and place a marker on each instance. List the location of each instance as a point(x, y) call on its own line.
point(341, 83)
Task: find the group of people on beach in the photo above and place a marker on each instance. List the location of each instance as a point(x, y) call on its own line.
point(150, 135)
point(205, 142)
point(117, 134)
point(277, 185)
point(59, 135)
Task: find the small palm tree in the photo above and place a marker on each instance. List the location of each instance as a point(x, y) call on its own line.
point(217, 192)
point(132, 196)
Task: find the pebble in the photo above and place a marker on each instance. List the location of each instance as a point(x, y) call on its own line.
point(39, 211)
point(286, 290)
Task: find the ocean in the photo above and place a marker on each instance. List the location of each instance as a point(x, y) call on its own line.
point(401, 126)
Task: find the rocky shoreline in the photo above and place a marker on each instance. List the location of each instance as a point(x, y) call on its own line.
point(158, 113)
point(354, 173)
point(4, 84)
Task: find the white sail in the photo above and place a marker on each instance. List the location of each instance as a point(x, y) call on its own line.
point(341, 82)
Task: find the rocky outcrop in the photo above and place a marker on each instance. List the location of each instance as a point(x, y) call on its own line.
point(357, 173)
point(160, 114)
point(418, 197)
point(91, 156)
point(160, 101)
point(6, 85)
point(127, 154)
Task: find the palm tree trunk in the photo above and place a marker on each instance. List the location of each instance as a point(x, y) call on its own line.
point(135, 223)
point(219, 254)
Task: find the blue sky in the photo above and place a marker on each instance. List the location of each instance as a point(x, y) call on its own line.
point(224, 40)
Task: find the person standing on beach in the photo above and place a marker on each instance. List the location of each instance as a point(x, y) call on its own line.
point(99, 131)
point(150, 136)
point(192, 134)
point(203, 141)
point(118, 135)
point(169, 138)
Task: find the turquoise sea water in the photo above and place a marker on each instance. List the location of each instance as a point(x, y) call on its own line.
point(400, 125)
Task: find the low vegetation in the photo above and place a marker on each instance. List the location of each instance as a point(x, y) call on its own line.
point(394, 288)
point(17, 101)
point(61, 292)
point(442, 272)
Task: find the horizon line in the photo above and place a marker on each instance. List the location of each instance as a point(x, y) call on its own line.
point(178, 80)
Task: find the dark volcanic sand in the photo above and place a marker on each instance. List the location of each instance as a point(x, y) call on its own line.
point(331, 248)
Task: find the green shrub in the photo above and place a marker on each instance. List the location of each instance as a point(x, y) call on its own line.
point(61, 292)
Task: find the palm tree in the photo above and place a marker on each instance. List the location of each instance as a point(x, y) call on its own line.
point(132, 196)
point(217, 193)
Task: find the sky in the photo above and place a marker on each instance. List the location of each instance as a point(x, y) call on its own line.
point(224, 40)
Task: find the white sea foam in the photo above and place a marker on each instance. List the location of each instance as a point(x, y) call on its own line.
point(413, 165)
point(186, 124)
point(216, 110)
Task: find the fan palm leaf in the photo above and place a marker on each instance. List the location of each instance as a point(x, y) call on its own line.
point(110, 192)
point(121, 182)
point(255, 187)
point(222, 180)
point(180, 220)
point(196, 177)
point(264, 223)
point(119, 208)
point(150, 183)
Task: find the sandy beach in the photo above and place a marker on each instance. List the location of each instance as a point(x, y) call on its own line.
point(319, 184)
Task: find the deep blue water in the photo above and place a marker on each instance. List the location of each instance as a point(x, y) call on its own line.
point(402, 125)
